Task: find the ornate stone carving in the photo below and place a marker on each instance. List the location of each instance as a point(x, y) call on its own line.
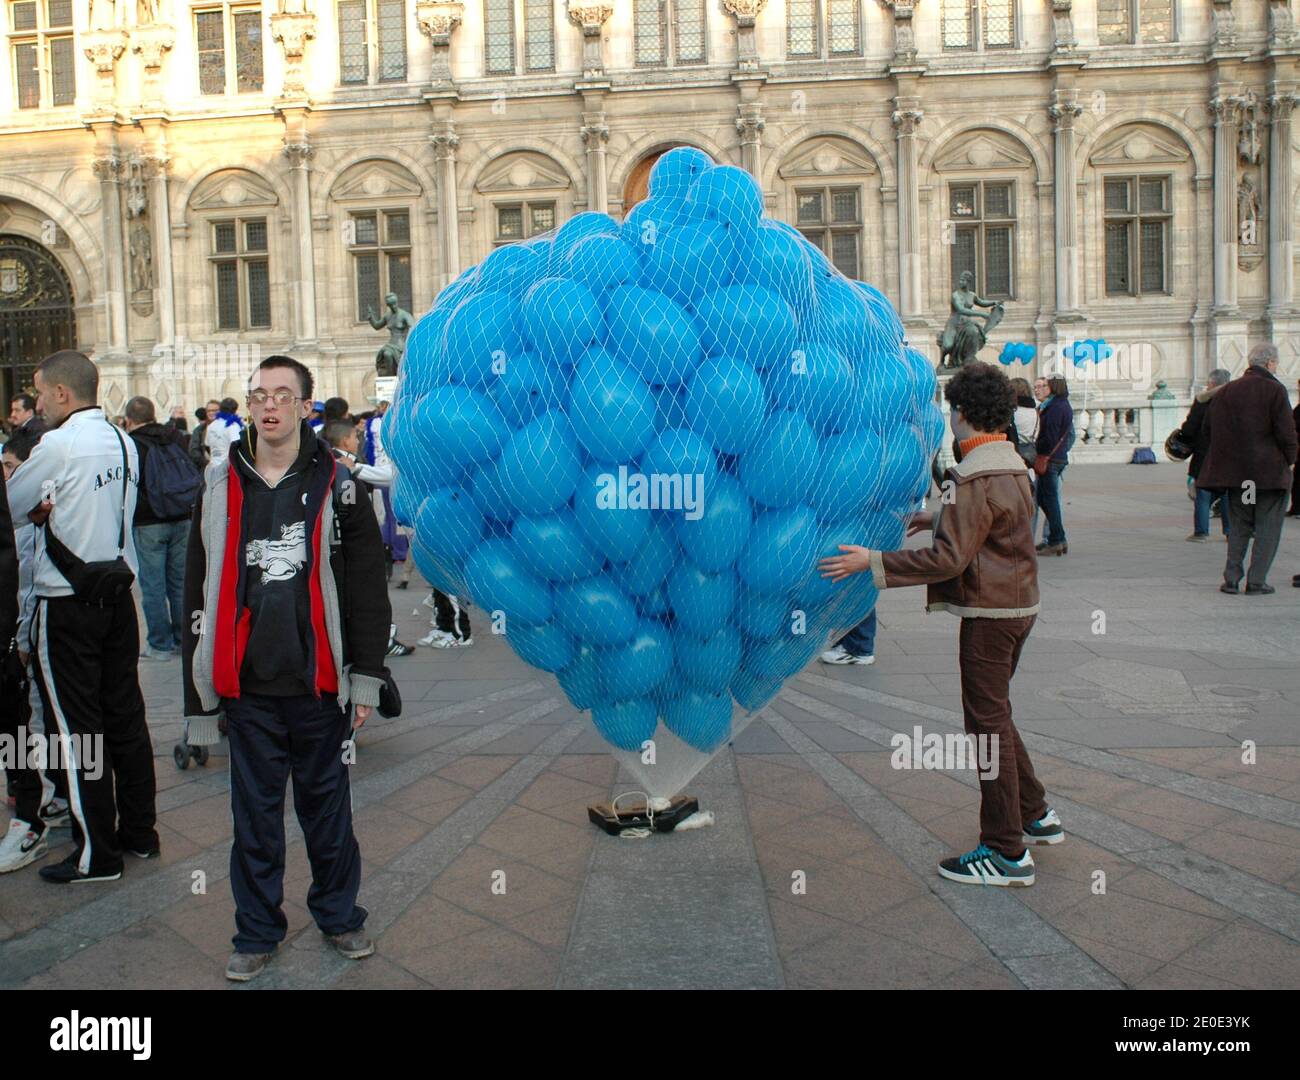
point(146, 12)
point(904, 37)
point(293, 29)
point(140, 250)
point(1225, 25)
point(590, 17)
point(1280, 106)
point(1248, 139)
point(438, 18)
point(102, 48)
point(745, 9)
point(108, 169)
point(445, 144)
point(1064, 110)
point(1281, 24)
point(1224, 109)
point(1063, 26)
point(299, 154)
point(906, 120)
point(595, 133)
point(151, 43)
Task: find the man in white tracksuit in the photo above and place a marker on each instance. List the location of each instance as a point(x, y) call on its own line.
point(85, 654)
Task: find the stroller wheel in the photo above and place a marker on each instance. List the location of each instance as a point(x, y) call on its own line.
point(181, 755)
point(200, 754)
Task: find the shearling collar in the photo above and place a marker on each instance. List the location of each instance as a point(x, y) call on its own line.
point(990, 457)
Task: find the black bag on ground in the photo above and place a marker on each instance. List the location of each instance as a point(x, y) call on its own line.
point(171, 482)
point(103, 582)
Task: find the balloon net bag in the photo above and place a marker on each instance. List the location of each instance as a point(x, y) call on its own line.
point(630, 444)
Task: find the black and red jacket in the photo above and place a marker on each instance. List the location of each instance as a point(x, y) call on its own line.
point(346, 574)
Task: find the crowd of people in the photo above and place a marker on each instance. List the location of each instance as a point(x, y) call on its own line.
point(264, 544)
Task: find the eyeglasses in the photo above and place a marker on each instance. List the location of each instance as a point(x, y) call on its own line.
point(283, 398)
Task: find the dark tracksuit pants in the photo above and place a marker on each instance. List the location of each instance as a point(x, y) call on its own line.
point(988, 654)
point(31, 788)
point(271, 739)
point(450, 616)
point(85, 658)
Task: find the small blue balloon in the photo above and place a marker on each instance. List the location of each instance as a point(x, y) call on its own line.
point(701, 603)
point(638, 666)
point(781, 547)
point(611, 408)
point(625, 724)
point(716, 537)
point(653, 561)
point(561, 319)
point(725, 402)
point(449, 524)
point(700, 720)
point(675, 171)
point(481, 332)
point(748, 321)
point(580, 678)
point(779, 469)
point(546, 646)
point(539, 465)
point(708, 663)
point(576, 231)
point(614, 530)
point(497, 582)
point(551, 547)
point(654, 334)
point(595, 611)
point(762, 616)
point(602, 262)
point(817, 382)
point(687, 262)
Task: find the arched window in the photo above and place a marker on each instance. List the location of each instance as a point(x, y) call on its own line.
point(817, 29)
point(833, 187)
point(375, 201)
point(1134, 22)
point(232, 212)
point(527, 194)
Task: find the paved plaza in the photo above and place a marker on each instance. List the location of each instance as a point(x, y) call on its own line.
point(1181, 868)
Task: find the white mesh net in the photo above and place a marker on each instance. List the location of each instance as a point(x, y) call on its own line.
point(632, 443)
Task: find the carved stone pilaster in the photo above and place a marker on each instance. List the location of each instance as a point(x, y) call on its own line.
point(293, 30)
point(1225, 26)
point(746, 13)
point(299, 154)
point(103, 48)
point(906, 118)
point(1064, 111)
point(438, 20)
point(1281, 24)
point(1249, 136)
point(904, 36)
point(151, 44)
point(1063, 40)
point(590, 17)
point(107, 170)
point(749, 126)
point(445, 145)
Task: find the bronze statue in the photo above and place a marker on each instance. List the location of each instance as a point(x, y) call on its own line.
point(963, 337)
point(399, 321)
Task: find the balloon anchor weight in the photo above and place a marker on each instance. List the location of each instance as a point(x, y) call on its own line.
point(643, 813)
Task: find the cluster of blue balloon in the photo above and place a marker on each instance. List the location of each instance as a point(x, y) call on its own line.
point(1091, 350)
point(634, 441)
point(1016, 352)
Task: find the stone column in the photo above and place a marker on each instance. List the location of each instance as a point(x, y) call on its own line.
point(437, 20)
point(445, 142)
point(156, 168)
point(590, 16)
point(1281, 226)
point(293, 29)
point(746, 13)
point(750, 125)
point(108, 169)
point(595, 134)
point(1224, 110)
point(906, 118)
point(1063, 111)
point(300, 152)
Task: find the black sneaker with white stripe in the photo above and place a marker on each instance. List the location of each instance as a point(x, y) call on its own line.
point(984, 866)
point(1046, 830)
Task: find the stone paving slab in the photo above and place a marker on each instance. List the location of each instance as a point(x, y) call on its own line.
point(1181, 868)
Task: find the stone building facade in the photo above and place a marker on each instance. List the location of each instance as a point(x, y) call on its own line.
point(186, 185)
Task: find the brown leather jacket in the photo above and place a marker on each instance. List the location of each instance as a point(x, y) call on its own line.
point(982, 562)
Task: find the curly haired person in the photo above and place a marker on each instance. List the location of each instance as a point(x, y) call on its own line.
point(981, 567)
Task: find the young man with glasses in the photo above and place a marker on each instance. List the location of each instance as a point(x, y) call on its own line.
point(285, 583)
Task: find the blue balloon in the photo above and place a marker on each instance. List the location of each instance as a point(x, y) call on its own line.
point(539, 465)
point(576, 231)
point(848, 467)
point(675, 171)
point(651, 564)
point(684, 465)
point(781, 547)
point(650, 218)
point(701, 603)
point(687, 261)
point(715, 538)
point(638, 666)
point(752, 693)
point(817, 382)
point(580, 678)
point(404, 506)
point(497, 582)
point(625, 724)
point(467, 425)
point(725, 402)
point(603, 262)
point(728, 195)
point(527, 388)
point(482, 332)
point(513, 268)
point(653, 334)
point(613, 530)
point(700, 720)
point(779, 469)
point(708, 663)
point(611, 408)
point(762, 615)
point(449, 524)
point(561, 319)
point(595, 611)
point(748, 321)
point(551, 547)
point(546, 646)
point(778, 260)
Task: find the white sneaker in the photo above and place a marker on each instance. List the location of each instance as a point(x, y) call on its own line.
point(450, 642)
point(841, 655)
point(435, 638)
point(20, 847)
point(55, 814)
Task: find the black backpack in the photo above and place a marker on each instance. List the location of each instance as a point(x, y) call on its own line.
point(171, 482)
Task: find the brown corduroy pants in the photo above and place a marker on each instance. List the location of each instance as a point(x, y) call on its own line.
point(989, 653)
